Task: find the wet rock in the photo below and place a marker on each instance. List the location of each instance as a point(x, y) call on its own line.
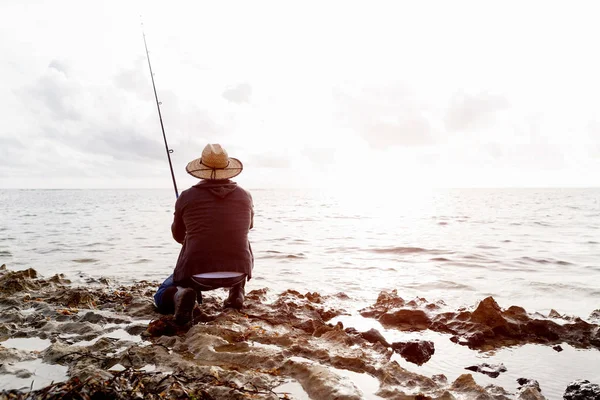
point(374, 336)
point(12, 282)
point(416, 352)
point(385, 302)
point(488, 326)
point(74, 298)
point(321, 383)
point(440, 378)
point(93, 318)
point(557, 348)
point(498, 392)
point(554, 314)
point(258, 295)
point(529, 389)
point(530, 393)
point(488, 313)
point(582, 390)
point(465, 384)
point(491, 370)
point(313, 297)
point(80, 328)
point(136, 329)
point(524, 382)
point(595, 316)
point(544, 329)
point(405, 319)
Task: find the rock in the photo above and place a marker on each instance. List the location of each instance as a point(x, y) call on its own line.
point(94, 318)
point(136, 329)
point(557, 348)
point(595, 316)
point(374, 336)
point(404, 319)
point(466, 384)
point(488, 312)
point(417, 352)
point(524, 382)
point(529, 389)
point(543, 329)
point(493, 370)
point(488, 327)
point(440, 378)
point(554, 314)
point(385, 302)
point(12, 282)
point(582, 390)
point(530, 393)
point(75, 298)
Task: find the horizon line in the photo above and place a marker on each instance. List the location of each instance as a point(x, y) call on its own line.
point(309, 188)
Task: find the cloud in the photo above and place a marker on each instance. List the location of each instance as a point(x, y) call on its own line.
point(385, 116)
point(268, 161)
point(320, 156)
point(467, 111)
point(239, 94)
point(135, 79)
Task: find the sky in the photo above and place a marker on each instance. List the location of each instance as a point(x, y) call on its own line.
point(305, 94)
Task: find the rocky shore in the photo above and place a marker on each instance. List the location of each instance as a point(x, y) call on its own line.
point(105, 340)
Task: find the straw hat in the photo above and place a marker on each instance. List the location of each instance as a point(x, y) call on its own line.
point(214, 164)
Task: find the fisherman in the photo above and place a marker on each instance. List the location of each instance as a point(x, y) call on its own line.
point(212, 220)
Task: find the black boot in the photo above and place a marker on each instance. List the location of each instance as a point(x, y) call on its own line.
point(236, 296)
point(185, 302)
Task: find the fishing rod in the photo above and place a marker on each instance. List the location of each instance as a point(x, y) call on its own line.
point(158, 103)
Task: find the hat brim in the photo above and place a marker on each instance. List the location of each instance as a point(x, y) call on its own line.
point(199, 170)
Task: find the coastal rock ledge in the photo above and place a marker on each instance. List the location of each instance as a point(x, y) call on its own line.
point(112, 344)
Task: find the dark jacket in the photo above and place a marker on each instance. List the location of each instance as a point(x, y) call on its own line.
point(212, 220)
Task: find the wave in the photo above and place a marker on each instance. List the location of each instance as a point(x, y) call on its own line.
point(85, 260)
point(544, 261)
point(279, 255)
point(451, 285)
point(5, 253)
point(404, 250)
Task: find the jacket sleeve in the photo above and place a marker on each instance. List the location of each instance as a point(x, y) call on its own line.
point(178, 226)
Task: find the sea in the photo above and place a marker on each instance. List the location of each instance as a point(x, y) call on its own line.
point(535, 248)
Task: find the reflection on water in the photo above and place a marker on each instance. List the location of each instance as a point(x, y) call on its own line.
point(28, 344)
point(31, 374)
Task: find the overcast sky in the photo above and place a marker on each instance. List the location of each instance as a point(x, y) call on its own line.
point(445, 93)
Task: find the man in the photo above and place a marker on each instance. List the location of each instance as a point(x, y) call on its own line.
point(212, 220)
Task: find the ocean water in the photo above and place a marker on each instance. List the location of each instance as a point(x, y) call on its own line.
point(537, 248)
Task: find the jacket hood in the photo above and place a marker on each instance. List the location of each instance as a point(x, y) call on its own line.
point(220, 189)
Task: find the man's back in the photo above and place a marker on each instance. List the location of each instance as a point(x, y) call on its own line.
point(212, 220)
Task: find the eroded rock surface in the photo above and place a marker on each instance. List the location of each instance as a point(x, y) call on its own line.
point(485, 328)
point(582, 390)
point(101, 333)
point(491, 370)
point(417, 352)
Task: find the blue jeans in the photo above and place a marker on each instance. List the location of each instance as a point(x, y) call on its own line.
point(165, 306)
point(158, 296)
